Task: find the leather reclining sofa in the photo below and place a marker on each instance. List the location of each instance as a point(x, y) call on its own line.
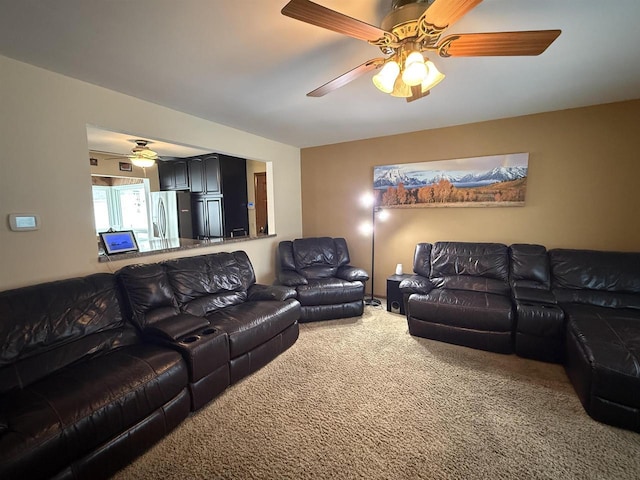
point(576, 307)
point(95, 370)
point(326, 285)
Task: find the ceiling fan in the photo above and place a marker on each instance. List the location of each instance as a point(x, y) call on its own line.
point(410, 31)
point(141, 155)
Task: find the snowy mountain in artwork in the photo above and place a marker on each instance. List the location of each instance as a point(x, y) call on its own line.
point(498, 174)
point(461, 179)
point(393, 177)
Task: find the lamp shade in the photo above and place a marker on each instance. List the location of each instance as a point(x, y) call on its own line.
point(415, 71)
point(401, 89)
point(385, 79)
point(433, 78)
point(142, 161)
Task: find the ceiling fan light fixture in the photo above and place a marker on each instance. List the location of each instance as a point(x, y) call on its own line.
point(433, 78)
point(415, 70)
point(401, 89)
point(386, 78)
point(143, 156)
point(141, 161)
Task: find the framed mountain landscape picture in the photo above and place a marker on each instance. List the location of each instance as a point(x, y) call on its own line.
point(491, 181)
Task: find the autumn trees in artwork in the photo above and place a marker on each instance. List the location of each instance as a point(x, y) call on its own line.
point(444, 192)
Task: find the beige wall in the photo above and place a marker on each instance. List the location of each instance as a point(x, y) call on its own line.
point(44, 169)
point(584, 172)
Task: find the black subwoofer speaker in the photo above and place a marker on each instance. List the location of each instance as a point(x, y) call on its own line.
point(394, 295)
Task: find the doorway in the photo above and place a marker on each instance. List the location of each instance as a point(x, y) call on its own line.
point(260, 182)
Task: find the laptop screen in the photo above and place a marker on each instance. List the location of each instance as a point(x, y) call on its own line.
point(119, 242)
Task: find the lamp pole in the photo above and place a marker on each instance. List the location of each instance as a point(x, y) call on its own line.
point(374, 302)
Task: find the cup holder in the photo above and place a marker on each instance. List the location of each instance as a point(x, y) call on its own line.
point(208, 331)
point(190, 339)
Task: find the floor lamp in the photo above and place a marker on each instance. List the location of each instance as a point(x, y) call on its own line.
point(381, 215)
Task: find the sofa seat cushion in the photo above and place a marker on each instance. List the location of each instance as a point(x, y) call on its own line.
point(610, 341)
point(463, 309)
point(329, 291)
point(70, 413)
point(250, 324)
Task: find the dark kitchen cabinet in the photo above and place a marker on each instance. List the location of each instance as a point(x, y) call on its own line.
point(174, 175)
point(196, 175)
point(207, 216)
point(233, 175)
point(218, 185)
point(205, 174)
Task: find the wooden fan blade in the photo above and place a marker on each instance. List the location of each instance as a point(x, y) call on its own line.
point(320, 16)
point(444, 13)
point(497, 44)
point(416, 93)
point(345, 78)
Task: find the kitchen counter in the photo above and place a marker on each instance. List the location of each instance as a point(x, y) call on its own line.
point(155, 247)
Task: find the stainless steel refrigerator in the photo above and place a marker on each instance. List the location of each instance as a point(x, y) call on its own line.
point(171, 215)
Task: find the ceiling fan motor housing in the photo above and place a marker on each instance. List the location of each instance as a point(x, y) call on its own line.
point(402, 20)
point(401, 3)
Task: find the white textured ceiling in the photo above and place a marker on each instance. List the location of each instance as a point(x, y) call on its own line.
point(243, 64)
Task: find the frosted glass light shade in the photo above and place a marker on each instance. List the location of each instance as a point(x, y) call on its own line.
point(401, 89)
point(366, 228)
point(385, 79)
point(142, 162)
point(415, 71)
point(433, 78)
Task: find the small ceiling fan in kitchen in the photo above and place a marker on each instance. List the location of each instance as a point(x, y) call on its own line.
point(411, 31)
point(141, 155)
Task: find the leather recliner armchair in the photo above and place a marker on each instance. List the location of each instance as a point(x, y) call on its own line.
point(460, 294)
point(327, 286)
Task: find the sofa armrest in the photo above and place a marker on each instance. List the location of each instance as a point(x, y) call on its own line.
point(533, 295)
point(291, 278)
point(204, 348)
point(176, 327)
point(415, 284)
point(280, 293)
point(352, 274)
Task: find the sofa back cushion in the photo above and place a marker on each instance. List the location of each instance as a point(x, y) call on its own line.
point(285, 255)
point(472, 284)
point(48, 326)
point(489, 260)
point(319, 257)
point(600, 278)
point(206, 283)
point(422, 260)
point(529, 266)
point(148, 293)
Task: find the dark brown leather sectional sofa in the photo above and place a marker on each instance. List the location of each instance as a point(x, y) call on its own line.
point(578, 307)
point(94, 370)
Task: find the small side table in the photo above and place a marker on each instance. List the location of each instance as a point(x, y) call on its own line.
point(395, 303)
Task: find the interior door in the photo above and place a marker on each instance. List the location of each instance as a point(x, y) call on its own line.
point(261, 201)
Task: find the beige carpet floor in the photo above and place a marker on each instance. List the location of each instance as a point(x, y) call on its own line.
point(362, 399)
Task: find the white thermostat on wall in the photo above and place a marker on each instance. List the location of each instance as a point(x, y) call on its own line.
point(21, 222)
